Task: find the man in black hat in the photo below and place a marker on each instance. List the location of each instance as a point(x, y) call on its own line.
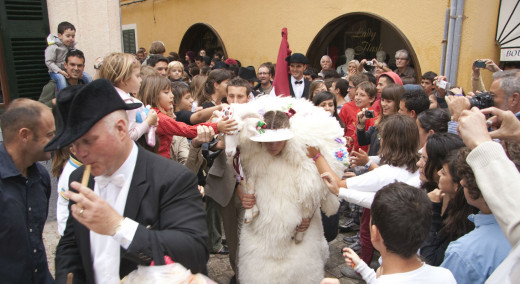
point(249, 74)
point(299, 86)
point(131, 212)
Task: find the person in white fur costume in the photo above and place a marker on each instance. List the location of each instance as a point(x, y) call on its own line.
point(287, 188)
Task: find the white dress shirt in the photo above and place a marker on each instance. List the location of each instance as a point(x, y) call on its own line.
point(105, 250)
point(298, 88)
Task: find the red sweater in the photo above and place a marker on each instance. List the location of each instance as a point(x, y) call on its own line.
point(168, 127)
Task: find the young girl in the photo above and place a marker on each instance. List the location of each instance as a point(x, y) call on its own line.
point(327, 101)
point(175, 71)
point(156, 91)
point(183, 104)
point(124, 72)
point(398, 154)
point(450, 212)
point(316, 87)
point(437, 146)
point(390, 98)
point(197, 88)
point(215, 88)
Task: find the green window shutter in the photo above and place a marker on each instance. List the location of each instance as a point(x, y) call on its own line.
point(24, 27)
point(129, 41)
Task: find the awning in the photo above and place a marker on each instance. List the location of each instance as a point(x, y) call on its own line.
point(508, 30)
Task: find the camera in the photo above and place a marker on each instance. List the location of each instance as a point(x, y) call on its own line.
point(480, 64)
point(369, 114)
point(482, 101)
point(370, 63)
point(443, 85)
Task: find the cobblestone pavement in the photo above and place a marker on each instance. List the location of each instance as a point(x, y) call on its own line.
point(220, 271)
point(218, 265)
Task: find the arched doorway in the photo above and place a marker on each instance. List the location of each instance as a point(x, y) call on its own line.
point(364, 32)
point(202, 36)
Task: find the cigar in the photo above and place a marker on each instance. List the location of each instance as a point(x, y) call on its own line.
point(86, 175)
point(84, 180)
point(70, 276)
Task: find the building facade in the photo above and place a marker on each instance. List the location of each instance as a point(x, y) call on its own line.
point(251, 30)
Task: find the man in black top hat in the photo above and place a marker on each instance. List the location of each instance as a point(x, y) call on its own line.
point(131, 212)
point(299, 86)
point(249, 74)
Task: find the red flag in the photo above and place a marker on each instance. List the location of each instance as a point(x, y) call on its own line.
point(281, 77)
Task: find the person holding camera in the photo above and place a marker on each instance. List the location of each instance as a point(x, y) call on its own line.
point(476, 80)
point(504, 94)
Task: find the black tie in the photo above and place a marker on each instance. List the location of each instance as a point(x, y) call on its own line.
point(298, 82)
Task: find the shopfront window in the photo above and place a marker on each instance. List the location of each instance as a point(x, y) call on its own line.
point(202, 36)
point(359, 36)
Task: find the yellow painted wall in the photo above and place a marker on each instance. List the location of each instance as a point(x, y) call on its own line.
point(250, 30)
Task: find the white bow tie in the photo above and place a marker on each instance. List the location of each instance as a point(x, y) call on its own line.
point(117, 180)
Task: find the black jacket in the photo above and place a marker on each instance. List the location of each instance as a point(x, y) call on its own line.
point(305, 89)
point(163, 198)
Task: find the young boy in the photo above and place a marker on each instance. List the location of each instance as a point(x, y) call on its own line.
point(56, 52)
point(473, 257)
point(365, 97)
point(400, 222)
point(427, 82)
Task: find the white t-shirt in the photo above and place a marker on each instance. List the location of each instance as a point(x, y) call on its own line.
point(425, 274)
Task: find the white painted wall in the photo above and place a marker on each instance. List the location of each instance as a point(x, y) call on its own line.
point(97, 22)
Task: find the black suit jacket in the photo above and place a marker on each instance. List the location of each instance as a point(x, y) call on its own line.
point(305, 89)
point(163, 198)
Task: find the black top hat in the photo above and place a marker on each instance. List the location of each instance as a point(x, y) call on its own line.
point(81, 107)
point(248, 73)
point(220, 65)
point(297, 58)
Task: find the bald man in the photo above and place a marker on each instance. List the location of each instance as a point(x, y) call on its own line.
point(25, 187)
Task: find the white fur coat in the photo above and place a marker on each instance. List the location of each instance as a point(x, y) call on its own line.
point(287, 188)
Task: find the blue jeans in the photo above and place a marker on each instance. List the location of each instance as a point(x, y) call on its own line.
point(61, 81)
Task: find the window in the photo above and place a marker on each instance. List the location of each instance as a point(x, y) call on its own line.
point(24, 28)
point(129, 38)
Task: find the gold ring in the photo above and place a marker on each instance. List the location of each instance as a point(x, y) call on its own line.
point(81, 212)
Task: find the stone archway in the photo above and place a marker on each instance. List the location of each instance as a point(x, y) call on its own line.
point(365, 32)
point(202, 36)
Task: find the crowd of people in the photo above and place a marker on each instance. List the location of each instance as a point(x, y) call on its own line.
point(158, 157)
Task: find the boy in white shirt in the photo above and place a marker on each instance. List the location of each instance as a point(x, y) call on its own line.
point(400, 221)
